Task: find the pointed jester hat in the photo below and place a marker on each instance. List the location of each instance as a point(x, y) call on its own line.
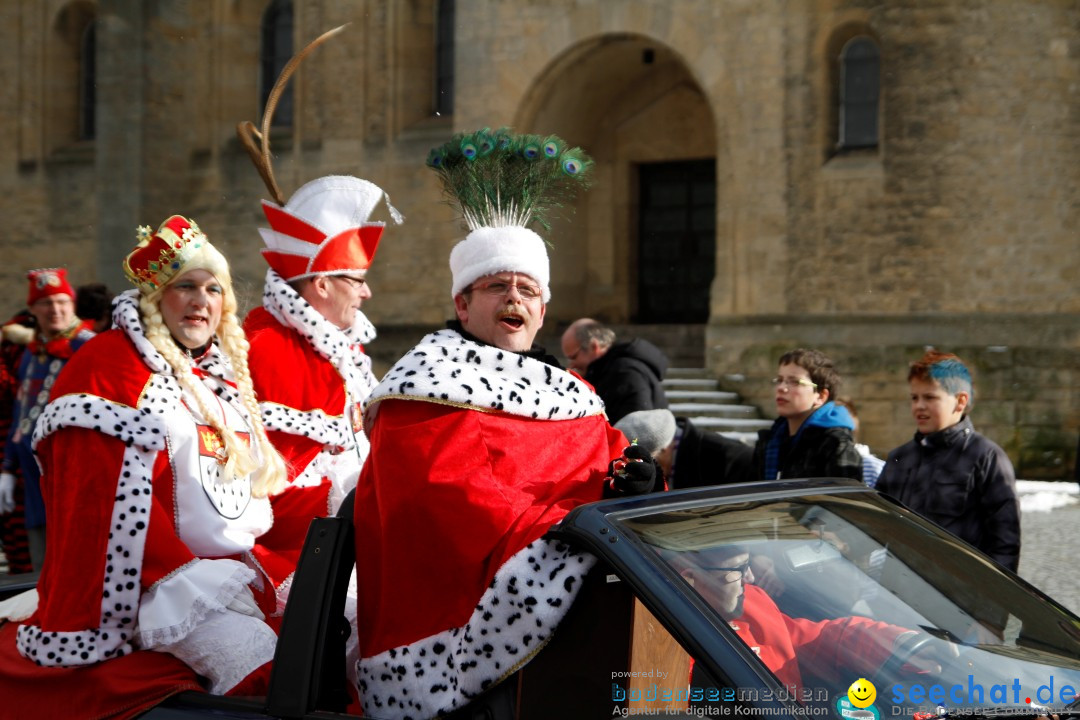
point(501, 182)
point(324, 228)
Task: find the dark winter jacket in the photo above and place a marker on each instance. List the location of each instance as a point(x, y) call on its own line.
point(703, 457)
point(824, 446)
point(627, 378)
point(963, 482)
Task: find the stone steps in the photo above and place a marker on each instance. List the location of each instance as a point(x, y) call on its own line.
point(677, 373)
point(695, 394)
point(721, 397)
point(705, 384)
point(717, 409)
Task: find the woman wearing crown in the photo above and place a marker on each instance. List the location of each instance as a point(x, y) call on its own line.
point(156, 475)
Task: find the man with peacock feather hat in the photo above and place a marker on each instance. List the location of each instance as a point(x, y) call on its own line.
point(480, 443)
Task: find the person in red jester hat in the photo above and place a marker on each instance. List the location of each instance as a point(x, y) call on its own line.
point(59, 333)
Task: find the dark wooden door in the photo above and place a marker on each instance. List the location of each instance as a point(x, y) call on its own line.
point(677, 241)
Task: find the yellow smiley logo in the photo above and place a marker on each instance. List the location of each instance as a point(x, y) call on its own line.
point(862, 693)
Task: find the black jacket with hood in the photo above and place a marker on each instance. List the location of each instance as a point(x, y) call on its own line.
point(627, 378)
point(824, 446)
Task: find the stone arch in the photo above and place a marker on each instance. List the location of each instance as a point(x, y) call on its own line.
point(628, 99)
point(64, 73)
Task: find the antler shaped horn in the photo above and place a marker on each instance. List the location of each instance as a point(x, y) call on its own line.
point(245, 129)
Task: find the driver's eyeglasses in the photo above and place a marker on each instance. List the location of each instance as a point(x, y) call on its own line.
point(792, 382)
point(730, 574)
point(499, 288)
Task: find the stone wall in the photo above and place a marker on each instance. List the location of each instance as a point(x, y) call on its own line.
point(969, 203)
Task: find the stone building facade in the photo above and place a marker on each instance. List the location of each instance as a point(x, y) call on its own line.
point(955, 226)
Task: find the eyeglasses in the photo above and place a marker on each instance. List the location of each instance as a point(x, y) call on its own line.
point(730, 574)
point(356, 283)
point(499, 288)
point(792, 382)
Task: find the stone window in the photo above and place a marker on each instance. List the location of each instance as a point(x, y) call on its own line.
point(275, 50)
point(421, 88)
point(444, 58)
point(859, 87)
point(87, 82)
point(70, 96)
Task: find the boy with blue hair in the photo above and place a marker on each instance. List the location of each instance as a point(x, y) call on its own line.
point(949, 473)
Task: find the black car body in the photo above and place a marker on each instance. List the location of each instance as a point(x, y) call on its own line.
point(642, 640)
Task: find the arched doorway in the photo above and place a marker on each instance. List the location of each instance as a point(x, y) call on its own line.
point(641, 247)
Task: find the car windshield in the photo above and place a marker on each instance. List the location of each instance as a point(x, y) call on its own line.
point(830, 589)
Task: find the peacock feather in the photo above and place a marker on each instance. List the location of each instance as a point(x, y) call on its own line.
point(496, 179)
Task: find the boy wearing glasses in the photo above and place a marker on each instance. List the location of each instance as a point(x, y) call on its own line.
point(813, 436)
point(949, 473)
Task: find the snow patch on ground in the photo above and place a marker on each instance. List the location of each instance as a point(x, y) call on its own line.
point(1046, 495)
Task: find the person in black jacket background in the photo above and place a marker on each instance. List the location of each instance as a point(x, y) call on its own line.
point(689, 456)
point(626, 375)
point(813, 437)
point(949, 473)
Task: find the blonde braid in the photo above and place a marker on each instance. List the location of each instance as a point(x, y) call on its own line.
point(271, 477)
point(239, 460)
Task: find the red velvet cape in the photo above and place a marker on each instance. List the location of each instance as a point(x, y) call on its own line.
point(448, 495)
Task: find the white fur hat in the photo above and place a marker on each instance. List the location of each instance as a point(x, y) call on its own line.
point(489, 250)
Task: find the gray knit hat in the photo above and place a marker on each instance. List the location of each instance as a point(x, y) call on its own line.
point(653, 429)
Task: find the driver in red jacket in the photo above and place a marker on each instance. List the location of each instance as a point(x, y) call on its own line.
point(835, 648)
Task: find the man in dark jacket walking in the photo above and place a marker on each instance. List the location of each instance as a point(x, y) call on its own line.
point(626, 375)
point(813, 437)
point(949, 473)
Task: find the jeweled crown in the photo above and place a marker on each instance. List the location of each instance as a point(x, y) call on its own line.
point(161, 256)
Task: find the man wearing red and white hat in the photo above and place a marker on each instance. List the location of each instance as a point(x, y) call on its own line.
point(58, 335)
point(307, 360)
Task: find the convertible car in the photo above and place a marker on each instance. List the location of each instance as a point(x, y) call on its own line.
point(794, 599)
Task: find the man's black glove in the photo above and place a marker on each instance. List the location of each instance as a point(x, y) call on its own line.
point(634, 473)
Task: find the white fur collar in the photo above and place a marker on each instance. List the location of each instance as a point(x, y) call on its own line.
point(447, 368)
point(341, 348)
point(127, 317)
